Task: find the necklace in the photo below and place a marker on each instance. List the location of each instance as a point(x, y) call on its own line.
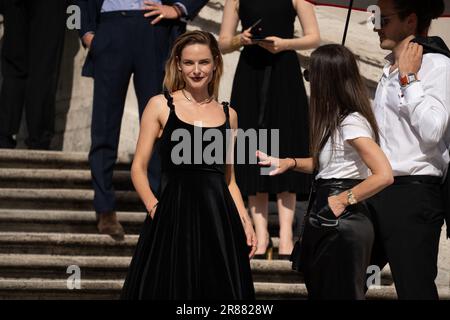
point(207, 100)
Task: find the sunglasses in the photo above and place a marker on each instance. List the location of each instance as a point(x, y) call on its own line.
point(384, 20)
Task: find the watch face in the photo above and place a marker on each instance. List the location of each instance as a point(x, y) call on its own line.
point(411, 78)
point(404, 81)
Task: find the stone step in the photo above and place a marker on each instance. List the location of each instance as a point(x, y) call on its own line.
point(28, 266)
point(82, 199)
point(110, 289)
point(53, 160)
point(62, 221)
point(60, 179)
point(19, 198)
point(66, 244)
point(87, 249)
point(71, 244)
point(43, 289)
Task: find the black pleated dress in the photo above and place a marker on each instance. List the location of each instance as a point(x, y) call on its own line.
point(269, 93)
point(195, 247)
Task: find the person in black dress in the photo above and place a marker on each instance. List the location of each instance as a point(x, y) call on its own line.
point(268, 93)
point(197, 239)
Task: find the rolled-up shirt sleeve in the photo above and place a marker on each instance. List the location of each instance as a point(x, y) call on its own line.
point(427, 104)
point(183, 8)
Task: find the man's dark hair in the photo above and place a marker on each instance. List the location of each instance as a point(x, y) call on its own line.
point(425, 10)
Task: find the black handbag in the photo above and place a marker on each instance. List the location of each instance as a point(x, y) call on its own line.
point(296, 255)
point(297, 258)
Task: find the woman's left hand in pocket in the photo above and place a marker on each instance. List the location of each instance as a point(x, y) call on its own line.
point(337, 205)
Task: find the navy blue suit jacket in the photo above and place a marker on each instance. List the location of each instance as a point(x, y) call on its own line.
point(90, 15)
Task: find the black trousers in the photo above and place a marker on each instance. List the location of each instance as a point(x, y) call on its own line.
point(125, 44)
point(408, 217)
point(336, 252)
point(31, 57)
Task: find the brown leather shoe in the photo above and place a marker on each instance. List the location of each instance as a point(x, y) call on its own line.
point(108, 224)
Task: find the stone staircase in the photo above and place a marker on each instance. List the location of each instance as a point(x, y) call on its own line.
point(47, 224)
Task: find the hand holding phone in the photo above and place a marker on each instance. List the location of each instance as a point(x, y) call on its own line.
point(256, 31)
point(273, 44)
point(267, 41)
point(255, 28)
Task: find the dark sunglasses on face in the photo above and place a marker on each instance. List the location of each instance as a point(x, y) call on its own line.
point(384, 20)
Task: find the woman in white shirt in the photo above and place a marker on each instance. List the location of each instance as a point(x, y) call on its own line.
point(350, 166)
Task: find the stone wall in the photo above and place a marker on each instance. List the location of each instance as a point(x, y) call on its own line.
point(74, 96)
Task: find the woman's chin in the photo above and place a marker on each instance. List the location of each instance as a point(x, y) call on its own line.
point(197, 84)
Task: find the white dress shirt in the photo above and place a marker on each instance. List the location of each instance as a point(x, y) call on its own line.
point(341, 160)
point(413, 121)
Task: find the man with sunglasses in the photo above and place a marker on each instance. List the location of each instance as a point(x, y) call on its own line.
point(412, 106)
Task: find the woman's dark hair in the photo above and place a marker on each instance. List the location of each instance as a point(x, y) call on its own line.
point(425, 10)
point(337, 90)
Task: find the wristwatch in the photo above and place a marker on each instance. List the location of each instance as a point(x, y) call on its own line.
point(351, 198)
point(407, 79)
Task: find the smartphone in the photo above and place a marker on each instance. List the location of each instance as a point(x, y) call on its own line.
point(257, 37)
point(255, 28)
point(263, 41)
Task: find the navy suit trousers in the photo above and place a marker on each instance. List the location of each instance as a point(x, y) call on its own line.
point(125, 44)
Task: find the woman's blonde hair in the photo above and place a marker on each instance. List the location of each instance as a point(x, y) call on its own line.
point(173, 79)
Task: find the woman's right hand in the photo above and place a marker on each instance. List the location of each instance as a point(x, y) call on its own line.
point(281, 165)
point(246, 38)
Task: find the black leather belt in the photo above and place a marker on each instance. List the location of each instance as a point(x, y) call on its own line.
point(338, 183)
point(417, 180)
point(124, 14)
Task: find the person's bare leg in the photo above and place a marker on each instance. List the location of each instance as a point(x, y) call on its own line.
point(259, 207)
point(286, 208)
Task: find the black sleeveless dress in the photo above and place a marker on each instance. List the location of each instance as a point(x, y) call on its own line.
point(195, 247)
point(268, 93)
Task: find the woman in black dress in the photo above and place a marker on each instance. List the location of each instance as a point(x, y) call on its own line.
point(268, 93)
point(197, 239)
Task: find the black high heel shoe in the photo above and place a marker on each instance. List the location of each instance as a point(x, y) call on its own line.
point(268, 255)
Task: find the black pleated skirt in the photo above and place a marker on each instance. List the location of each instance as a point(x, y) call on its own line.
point(195, 247)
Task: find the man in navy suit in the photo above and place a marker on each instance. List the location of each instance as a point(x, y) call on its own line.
point(124, 38)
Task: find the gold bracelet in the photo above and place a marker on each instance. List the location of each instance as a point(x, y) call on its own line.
point(236, 42)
